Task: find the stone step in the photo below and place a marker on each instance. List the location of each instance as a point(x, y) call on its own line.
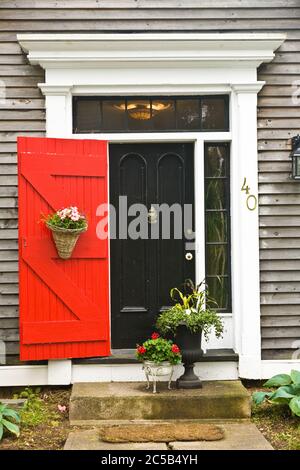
point(217, 400)
point(238, 436)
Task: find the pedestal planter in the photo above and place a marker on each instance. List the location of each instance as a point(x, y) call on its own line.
point(190, 346)
point(155, 370)
point(65, 239)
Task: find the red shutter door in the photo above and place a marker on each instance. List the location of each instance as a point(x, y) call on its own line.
point(64, 304)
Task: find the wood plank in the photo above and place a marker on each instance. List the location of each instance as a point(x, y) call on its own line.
point(276, 102)
point(11, 323)
point(266, 112)
point(277, 134)
point(22, 70)
point(281, 332)
point(12, 136)
point(10, 213)
point(22, 114)
point(9, 289)
point(275, 155)
point(279, 79)
point(9, 334)
point(9, 59)
point(279, 221)
point(274, 145)
point(23, 103)
point(281, 265)
point(273, 287)
point(6, 223)
point(12, 347)
point(282, 243)
point(280, 276)
point(116, 13)
point(27, 92)
point(279, 343)
point(269, 354)
point(8, 191)
point(7, 169)
point(279, 210)
point(10, 277)
point(282, 254)
point(11, 299)
point(275, 166)
point(278, 69)
point(115, 25)
point(274, 310)
point(280, 298)
point(279, 188)
point(278, 123)
point(280, 321)
point(279, 232)
point(276, 177)
point(278, 90)
point(21, 126)
point(8, 234)
point(8, 202)
point(95, 4)
point(21, 81)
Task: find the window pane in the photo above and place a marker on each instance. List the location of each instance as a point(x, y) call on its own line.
point(219, 290)
point(215, 194)
point(188, 114)
point(215, 161)
point(163, 112)
point(216, 260)
point(213, 113)
point(139, 115)
point(88, 116)
point(216, 227)
point(114, 114)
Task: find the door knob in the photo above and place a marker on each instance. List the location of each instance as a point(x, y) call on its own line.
point(188, 256)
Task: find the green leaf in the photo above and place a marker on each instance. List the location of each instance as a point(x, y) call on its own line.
point(13, 428)
point(295, 406)
point(1, 431)
point(258, 397)
point(295, 376)
point(12, 413)
point(282, 395)
point(278, 380)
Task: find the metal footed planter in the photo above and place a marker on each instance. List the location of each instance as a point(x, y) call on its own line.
point(190, 347)
point(65, 239)
point(154, 370)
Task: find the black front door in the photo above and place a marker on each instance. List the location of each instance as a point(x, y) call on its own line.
point(144, 269)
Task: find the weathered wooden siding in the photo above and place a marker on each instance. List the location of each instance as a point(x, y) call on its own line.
point(22, 112)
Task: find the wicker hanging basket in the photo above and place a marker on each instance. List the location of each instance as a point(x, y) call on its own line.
point(65, 239)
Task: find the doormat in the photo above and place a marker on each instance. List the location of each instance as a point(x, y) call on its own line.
point(161, 432)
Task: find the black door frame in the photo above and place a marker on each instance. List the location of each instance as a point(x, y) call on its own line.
point(163, 140)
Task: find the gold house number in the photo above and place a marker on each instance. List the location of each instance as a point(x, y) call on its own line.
point(251, 200)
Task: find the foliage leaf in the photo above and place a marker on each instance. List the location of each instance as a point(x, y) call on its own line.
point(13, 428)
point(282, 395)
point(278, 380)
point(295, 406)
point(295, 376)
point(259, 397)
point(8, 412)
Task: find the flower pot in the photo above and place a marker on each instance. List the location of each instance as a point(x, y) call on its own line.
point(157, 369)
point(190, 346)
point(65, 239)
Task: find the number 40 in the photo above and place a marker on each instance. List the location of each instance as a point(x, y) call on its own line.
point(251, 201)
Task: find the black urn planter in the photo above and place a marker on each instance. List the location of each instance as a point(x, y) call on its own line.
point(190, 346)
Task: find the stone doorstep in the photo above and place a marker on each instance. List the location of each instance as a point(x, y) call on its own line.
point(220, 400)
point(238, 436)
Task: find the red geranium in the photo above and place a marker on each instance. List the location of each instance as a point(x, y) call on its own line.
point(155, 335)
point(141, 350)
point(175, 349)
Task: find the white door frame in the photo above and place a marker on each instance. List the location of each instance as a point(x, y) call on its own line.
point(176, 64)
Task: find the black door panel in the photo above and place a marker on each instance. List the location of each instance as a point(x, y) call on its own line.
point(144, 270)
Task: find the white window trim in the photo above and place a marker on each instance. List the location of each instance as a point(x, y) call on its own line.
point(165, 64)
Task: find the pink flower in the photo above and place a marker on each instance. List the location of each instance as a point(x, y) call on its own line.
point(62, 408)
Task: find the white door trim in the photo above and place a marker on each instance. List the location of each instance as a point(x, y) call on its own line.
point(166, 64)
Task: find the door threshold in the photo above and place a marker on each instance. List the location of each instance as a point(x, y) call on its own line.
point(127, 356)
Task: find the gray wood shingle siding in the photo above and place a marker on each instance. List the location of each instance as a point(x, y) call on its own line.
point(22, 112)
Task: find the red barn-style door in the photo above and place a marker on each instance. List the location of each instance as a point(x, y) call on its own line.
point(64, 304)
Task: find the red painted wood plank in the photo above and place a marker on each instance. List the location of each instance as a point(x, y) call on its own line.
point(61, 332)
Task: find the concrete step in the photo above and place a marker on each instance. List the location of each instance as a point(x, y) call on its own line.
point(238, 436)
point(218, 400)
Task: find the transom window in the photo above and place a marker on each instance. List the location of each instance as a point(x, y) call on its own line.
point(150, 114)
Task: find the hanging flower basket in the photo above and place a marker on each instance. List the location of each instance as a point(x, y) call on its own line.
point(66, 226)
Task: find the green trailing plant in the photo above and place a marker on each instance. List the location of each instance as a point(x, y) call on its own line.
point(287, 391)
point(193, 308)
point(9, 420)
point(34, 411)
point(158, 350)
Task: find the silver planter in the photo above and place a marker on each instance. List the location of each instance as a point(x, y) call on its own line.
point(154, 370)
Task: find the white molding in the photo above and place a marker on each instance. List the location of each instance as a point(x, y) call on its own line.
point(59, 372)
point(69, 50)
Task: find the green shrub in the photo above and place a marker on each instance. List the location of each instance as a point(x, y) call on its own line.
point(8, 420)
point(287, 391)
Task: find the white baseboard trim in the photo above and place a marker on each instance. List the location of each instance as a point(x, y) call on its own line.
point(62, 373)
point(280, 366)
